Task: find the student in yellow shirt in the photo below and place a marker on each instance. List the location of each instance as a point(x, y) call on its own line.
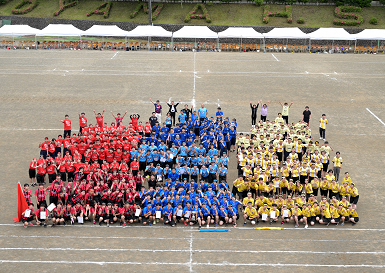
point(274, 214)
point(354, 196)
point(307, 213)
point(337, 164)
point(308, 188)
point(263, 210)
point(334, 190)
point(335, 215)
point(325, 162)
point(322, 126)
point(296, 214)
point(347, 179)
point(250, 214)
point(286, 215)
point(324, 185)
point(317, 211)
point(248, 199)
point(315, 186)
point(236, 184)
point(344, 214)
point(326, 216)
point(353, 215)
point(345, 203)
point(344, 190)
point(279, 119)
point(285, 111)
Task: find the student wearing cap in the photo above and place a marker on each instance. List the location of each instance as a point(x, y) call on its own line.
point(343, 213)
point(250, 214)
point(145, 215)
point(223, 216)
point(204, 215)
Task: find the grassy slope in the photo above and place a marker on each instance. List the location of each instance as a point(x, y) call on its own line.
point(221, 14)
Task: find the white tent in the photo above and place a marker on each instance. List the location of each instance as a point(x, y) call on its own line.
point(240, 32)
point(286, 33)
point(106, 31)
point(18, 30)
point(331, 34)
point(195, 32)
point(149, 31)
point(369, 34)
point(59, 30)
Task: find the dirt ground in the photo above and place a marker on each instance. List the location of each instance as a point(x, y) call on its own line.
point(39, 87)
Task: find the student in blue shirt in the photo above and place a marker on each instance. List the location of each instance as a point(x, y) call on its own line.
point(213, 170)
point(146, 215)
point(223, 216)
point(186, 215)
point(223, 171)
point(194, 214)
point(233, 134)
point(197, 125)
point(219, 114)
point(177, 214)
point(182, 117)
point(153, 214)
point(204, 216)
point(214, 214)
point(202, 112)
point(233, 215)
point(204, 174)
point(167, 213)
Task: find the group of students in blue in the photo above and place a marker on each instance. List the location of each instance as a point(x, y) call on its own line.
point(192, 159)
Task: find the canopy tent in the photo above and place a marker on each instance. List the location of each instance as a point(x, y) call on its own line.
point(106, 31)
point(59, 30)
point(331, 34)
point(241, 33)
point(195, 32)
point(286, 33)
point(370, 34)
point(18, 30)
point(149, 31)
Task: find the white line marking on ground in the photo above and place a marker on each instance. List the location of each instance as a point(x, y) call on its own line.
point(274, 57)
point(375, 116)
point(27, 129)
point(344, 229)
point(190, 250)
point(194, 75)
point(196, 263)
point(114, 55)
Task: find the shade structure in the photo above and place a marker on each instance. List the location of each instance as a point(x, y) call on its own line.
point(240, 32)
point(369, 34)
point(105, 31)
point(331, 34)
point(60, 30)
point(149, 31)
point(286, 33)
point(195, 32)
point(18, 30)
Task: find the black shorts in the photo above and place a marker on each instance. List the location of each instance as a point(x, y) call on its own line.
point(354, 200)
point(142, 166)
point(67, 218)
point(248, 218)
point(325, 167)
point(222, 219)
point(32, 173)
point(144, 219)
point(29, 219)
point(326, 220)
point(204, 217)
point(337, 219)
point(356, 219)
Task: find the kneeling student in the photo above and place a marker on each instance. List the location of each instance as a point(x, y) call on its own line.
point(353, 215)
point(250, 214)
point(42, 216)
point(28, 215)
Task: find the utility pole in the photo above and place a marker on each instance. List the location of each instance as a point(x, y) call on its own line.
point(149, 13)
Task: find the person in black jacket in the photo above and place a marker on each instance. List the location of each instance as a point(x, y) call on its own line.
point(254, 109)
point(172, 110)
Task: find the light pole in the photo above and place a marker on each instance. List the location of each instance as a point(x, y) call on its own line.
point(149, 13)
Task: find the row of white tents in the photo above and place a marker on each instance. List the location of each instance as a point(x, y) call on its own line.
point(61, 30)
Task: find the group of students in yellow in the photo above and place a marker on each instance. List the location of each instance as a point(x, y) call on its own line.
point(282, 171)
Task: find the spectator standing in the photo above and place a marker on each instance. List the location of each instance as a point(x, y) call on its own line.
point(306, 115)
point(322, 126)
point(82, 121)
point(67, 126)
point(264, 110)
point(158, 110)
point(285, 111)
point(254, 109)
point(202, 113)
point(172, 110)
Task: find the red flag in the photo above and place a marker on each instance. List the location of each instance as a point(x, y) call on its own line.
point(21, 204)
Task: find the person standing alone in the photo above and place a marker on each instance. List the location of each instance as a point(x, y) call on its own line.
point(254, 109)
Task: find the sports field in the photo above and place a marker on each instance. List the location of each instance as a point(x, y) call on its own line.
point(39, 87)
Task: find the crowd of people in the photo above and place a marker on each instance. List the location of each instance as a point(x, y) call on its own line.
point(176, 172)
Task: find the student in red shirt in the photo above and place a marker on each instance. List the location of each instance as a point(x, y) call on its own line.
point(57, 215)
point(41, 171)
point(67, 126)
point(51, 171)
point(99, 118)
point(134, 120)
point(118, 118)
point(44, 147)
point(82, 121)
point(27, 193)
point(52, 148)
point(32, 172)
point(39, 220)
point(27, 220)
point(67, 213)
point(40, 194)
